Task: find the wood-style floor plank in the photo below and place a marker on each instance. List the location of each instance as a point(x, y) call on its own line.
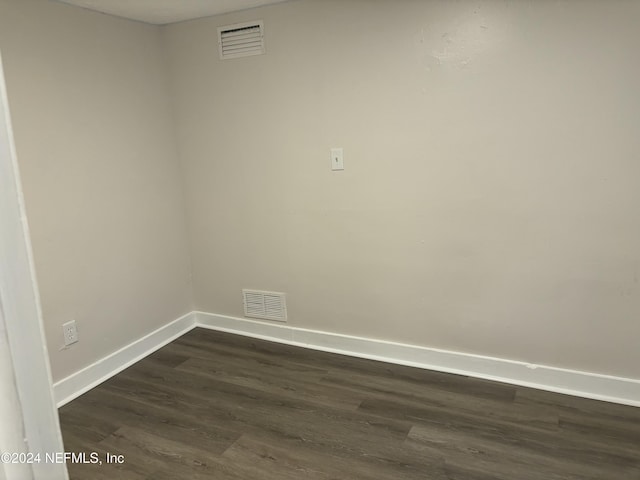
point(212, 405)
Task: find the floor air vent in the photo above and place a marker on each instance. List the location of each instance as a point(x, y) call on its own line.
point(241, 40)
point(267, 305)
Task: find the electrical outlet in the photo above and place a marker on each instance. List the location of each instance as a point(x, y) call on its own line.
point(70, 332)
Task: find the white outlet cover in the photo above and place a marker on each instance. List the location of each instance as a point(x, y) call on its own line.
point(70, 333)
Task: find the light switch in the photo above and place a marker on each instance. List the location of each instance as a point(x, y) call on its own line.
point(337, 159)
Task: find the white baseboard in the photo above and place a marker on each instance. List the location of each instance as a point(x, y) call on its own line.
point(84, 380)
point(582, 384)
point(571, 382)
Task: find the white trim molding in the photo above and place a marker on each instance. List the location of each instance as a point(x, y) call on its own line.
point(596, 386)
point(571, 382)
point(93, 375)
point(28, 412)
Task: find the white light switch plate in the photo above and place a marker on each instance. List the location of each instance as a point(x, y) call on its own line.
point(337, 159)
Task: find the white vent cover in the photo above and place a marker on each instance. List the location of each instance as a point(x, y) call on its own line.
point(241, 39)
point(267, 305)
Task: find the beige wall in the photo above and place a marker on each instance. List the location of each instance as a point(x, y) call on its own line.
point(97, 155)
point(489, 203)
point(490, 199)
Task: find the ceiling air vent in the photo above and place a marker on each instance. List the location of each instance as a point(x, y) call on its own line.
point(267, 305)
point(241, 40)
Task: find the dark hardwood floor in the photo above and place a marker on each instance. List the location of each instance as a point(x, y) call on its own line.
point(212, 405)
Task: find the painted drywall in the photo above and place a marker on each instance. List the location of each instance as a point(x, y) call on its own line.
point(96, 149)
point(489, 202)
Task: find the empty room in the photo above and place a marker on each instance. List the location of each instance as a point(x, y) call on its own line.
point(320, 239)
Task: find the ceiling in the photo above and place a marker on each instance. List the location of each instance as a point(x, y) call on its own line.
point(160, 12)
